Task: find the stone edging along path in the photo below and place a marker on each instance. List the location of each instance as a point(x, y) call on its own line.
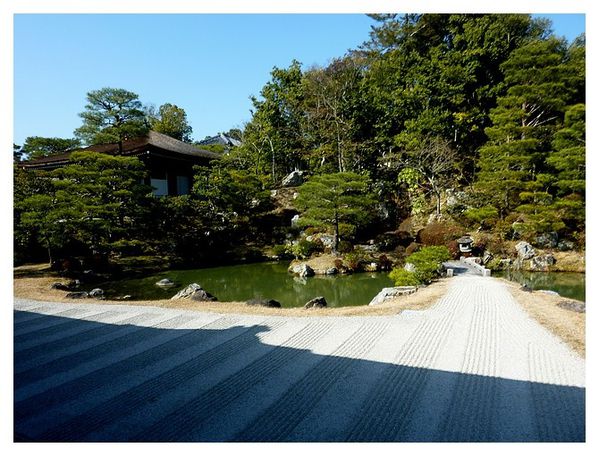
point(473, 367)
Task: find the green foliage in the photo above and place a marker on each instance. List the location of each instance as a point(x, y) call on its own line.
point(303, 249)
point(111, 116)
point(281, 250)
point(483, 216)
point(38, 147)
point(171, 120)
point(427, 262)
point(340, 202)
point(96, 201)
point(403, 278)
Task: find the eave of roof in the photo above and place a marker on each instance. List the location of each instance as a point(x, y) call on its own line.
point(133, 146)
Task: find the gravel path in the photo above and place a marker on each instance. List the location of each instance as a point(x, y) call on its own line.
point(473, 367)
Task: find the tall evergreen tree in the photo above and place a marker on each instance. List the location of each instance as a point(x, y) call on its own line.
point(111, 116)
point(512, 160)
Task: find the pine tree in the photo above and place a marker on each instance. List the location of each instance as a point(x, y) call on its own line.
point(340, 202)
point(511, 162)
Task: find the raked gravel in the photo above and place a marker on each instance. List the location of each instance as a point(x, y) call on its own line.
point(473, 367)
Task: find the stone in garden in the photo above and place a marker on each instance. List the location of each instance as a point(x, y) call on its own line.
point(77, 295)
point(392, 292)
point(295, 219)
point(525, 250)
point(60, 286)
point(547, 240)
point(187, 291)
point(293, 179)
point(302, 269)
point(166, 283)
point(331, 271)
point(549, 292)
point(409, 267)
point(565, 245)
point(96, 293)
point(573, 306)
point(542, 262)
point(264, 303)
point(202, 295)
point(316, 303)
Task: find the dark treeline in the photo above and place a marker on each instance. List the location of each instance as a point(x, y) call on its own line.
point(484, 110)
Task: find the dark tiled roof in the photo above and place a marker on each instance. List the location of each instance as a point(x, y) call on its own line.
point(131, 147)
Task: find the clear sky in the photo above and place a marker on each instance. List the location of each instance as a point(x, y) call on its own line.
point(207, 64)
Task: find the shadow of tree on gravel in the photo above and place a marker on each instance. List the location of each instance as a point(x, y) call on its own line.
point(78, 380)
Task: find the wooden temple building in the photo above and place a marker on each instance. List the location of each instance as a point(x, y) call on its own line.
point(169, 161)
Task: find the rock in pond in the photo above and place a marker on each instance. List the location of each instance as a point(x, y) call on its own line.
point(195, 292)
point(331, 271)
point(391, 292)
point(165, 283)
point(303, 270)
point(263, 303)
point(316, 303)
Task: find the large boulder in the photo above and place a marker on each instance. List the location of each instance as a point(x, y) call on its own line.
point(263, 303)
point(391, 292)
point(525, 250)
point(542, 262)
point(195, 292)
point(316, 303)
point(293, 179)
point(547, 240)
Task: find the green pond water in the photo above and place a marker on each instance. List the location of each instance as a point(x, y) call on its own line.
point(567, 284)
point(258, 280)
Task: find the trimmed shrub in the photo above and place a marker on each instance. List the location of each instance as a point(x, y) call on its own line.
point(427, 262)
point(403, 278)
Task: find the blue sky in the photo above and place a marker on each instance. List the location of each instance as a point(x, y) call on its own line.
point(207, 64)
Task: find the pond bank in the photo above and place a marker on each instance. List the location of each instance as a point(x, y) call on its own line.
point(38, 288)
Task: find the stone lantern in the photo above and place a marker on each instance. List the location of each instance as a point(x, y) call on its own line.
point(465, 244)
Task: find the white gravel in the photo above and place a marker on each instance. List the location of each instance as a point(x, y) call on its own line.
point(474, 367)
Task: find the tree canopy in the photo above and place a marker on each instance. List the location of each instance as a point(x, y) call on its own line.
point(111, 116)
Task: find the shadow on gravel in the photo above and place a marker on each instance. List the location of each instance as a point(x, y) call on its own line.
point(78, 380)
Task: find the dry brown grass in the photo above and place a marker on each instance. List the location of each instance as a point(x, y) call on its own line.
point(566, 324)
point(38, 288)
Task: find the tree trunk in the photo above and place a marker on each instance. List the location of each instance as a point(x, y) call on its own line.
point(336, 232)
point(438, 197)
point(49, 256)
